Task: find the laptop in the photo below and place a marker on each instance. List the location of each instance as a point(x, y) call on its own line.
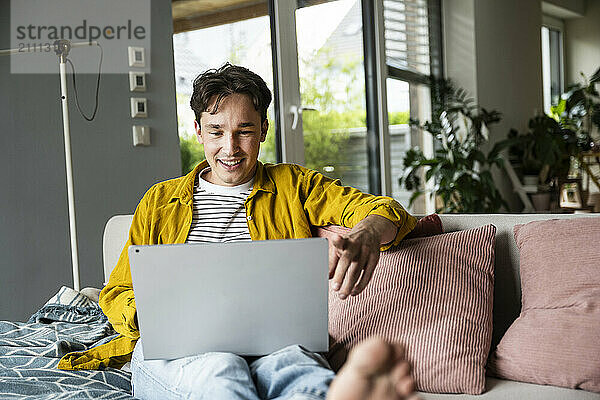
point(247, 298)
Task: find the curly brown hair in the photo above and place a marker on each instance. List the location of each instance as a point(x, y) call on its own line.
point(227, 80)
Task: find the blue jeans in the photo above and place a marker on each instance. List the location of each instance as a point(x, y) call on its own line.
point(292, 373)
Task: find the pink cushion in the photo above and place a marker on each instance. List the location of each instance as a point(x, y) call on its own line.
point(433, 294)
point(556, 339)
point(426, 226)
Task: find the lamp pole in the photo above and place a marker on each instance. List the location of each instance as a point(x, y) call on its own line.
point(62, 48)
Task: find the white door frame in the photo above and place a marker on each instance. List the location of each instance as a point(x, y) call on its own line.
point(382, 106)
point(288, 81)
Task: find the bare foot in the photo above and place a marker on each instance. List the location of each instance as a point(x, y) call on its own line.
point(375, 370)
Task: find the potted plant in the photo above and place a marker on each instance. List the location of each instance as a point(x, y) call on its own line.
point(579, 111)
point(460, 171)
point(546, 149)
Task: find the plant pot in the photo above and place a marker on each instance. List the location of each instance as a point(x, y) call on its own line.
point(530, 180)
point(541, 201)
point(594, 200)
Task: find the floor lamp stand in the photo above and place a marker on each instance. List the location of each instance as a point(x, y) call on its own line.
point(62, 48)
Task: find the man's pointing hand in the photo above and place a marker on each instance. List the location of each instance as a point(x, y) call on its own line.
point(353, 256)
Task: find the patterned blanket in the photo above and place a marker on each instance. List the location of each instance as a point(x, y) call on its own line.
point(29, 352)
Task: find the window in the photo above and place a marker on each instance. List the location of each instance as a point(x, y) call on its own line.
point(552, 61)
point(412, 54)
point(209, 37)
point(331, 62)
point(398, 101)
point(407, 35)
point(311, 53)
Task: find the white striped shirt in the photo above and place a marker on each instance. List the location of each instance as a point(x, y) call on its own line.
point(219, 214)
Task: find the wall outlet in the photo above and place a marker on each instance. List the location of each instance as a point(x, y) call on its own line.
point(137, 81)
point(136, 57)
point(139, 107)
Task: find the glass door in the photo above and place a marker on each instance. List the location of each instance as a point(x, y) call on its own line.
point(332, 88)
point(322, 93)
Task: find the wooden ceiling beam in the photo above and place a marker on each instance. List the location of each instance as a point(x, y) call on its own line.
point(206, 19)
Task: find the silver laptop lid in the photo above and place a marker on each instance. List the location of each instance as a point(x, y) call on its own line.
point(248, 298)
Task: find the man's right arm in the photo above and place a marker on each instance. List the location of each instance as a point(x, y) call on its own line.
point(116, 299)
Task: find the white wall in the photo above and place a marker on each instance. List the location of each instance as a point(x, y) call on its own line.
point(564, 8)
point(493, 50)
point(509, 61)
point(460, 63)
point(582, 43)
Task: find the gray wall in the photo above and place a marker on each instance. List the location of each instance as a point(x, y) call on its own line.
point(110, 175)
point(493, 50)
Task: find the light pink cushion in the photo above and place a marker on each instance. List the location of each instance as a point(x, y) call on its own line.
point(556, 339)
point(433, 294)
point(427, 226)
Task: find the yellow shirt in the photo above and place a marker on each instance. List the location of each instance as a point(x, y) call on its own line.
point(285, 202)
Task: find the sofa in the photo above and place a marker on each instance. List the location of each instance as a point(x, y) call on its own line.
point(506, 299)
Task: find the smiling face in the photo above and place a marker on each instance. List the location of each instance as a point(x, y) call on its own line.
point(231, 139)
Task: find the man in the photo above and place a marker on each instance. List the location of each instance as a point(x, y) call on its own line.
point(231, 196)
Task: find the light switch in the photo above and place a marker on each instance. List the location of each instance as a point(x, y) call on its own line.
point(136, 56)
point(139, 107)
point(141, 135)
point(137, 81)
